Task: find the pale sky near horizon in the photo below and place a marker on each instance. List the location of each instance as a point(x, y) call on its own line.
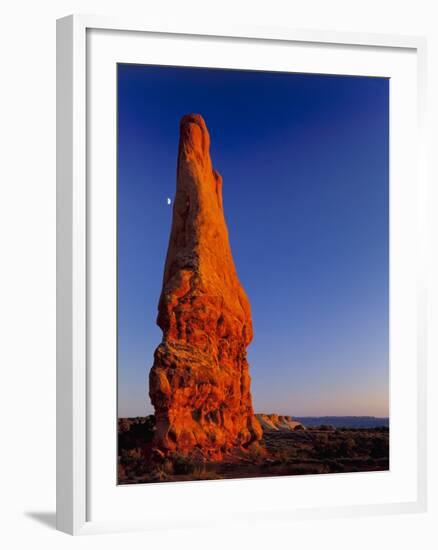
point(304, 160)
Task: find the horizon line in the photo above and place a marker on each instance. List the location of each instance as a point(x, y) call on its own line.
point(293, 415)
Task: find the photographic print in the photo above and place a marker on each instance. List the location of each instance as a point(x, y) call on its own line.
point(253, 274)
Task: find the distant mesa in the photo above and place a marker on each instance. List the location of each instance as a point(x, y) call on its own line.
point(199, 383)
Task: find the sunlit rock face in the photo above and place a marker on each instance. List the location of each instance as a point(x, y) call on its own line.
point(199, 383)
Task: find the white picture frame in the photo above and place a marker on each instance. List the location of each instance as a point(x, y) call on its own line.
point(74, 285)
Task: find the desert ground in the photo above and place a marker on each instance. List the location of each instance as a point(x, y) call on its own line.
point(283, 451)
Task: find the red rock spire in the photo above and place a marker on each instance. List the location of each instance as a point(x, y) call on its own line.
point(199, 382)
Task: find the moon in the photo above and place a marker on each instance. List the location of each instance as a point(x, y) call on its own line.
point(169, 201)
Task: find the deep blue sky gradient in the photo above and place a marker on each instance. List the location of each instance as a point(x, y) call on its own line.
point(304, 160)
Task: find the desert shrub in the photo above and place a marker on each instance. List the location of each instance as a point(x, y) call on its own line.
point(184, 465)
point(326, 449)
point(347, 446)
point(161, 472)
point(149, 424)
point(193, 467)
point(379, 448)
point(322, 438)
point(363, 445)
point(135, 432)
point(124, 425)
point(201, 473)
point(130, 455)
point(256, 453)
point(167, 467)
point(281, 454)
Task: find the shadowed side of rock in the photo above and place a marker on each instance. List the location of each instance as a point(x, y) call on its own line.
point(200, 382)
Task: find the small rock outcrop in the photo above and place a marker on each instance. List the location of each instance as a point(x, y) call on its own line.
point(277, 422)
point(199, 383)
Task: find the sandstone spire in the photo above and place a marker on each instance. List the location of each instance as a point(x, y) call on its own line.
point(199, 383)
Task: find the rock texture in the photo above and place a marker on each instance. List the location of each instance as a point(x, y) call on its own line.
point(199, 383)
point(277, 423)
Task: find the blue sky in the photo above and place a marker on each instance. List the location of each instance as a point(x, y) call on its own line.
point(305, 162)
